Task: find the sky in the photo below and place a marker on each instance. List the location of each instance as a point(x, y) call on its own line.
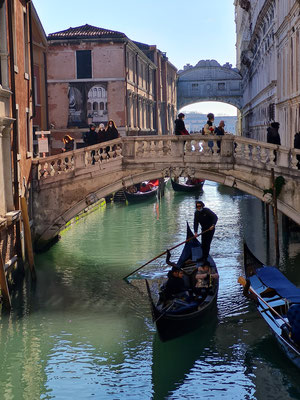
point(187, 31)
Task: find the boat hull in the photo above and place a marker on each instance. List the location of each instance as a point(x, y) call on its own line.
point(180, 187)
point(141, 196)
point(275, 323)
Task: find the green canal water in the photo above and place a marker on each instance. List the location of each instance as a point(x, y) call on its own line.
point(82, 332)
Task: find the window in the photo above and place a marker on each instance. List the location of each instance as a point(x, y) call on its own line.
point(3, 48)
point(195, 86)
point(221, 86)
point(28, 138)
point(26, 46)
point(272, 111)
point(84, 64)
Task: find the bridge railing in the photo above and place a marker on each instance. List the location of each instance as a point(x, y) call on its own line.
point(193, 148)
point(99, 155)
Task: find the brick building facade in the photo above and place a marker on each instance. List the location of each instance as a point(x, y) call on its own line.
point(95, 74)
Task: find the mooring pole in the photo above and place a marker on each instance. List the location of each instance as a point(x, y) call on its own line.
point(3, 285)
point(275, 216)
point(27, 234)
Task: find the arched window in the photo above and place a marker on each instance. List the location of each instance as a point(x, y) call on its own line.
point(101, 105)
point(95, 106)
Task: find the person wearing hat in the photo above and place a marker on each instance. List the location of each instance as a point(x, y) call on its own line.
point(207, 219)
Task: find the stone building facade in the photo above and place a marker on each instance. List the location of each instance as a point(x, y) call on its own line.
point(95, 74)
point(268, 49)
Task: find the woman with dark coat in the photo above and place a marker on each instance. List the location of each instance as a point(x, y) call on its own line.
point(179, 125)
point(111, 130)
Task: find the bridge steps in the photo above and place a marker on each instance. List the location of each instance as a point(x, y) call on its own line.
point(119, 197)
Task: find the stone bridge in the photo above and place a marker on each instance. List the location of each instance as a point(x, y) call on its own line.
point(66, 184)
point(209, 81)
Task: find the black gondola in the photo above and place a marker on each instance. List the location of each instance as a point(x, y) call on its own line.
point(141, 196)
point(183, 187)
point(181, 317)
point(278, 302)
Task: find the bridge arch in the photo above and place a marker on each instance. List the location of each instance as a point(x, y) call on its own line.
point(62, 188)
point(209, 81)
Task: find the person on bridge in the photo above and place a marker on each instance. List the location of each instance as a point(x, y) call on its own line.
point(91, 137)
point(207, 219)
point(297, 146)
point(219, 131)
point(209, 129)
point(68, 143)
point(111, 130)
point(180, 126)
point(273, 136)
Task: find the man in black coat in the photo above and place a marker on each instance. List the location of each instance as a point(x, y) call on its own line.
point(207, 219)
point(273, 136)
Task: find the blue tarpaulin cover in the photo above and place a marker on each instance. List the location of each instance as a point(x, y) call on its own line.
point(274, 279)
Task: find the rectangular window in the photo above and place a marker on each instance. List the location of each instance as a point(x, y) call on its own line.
point(28, 138)
point(221, 86)
point(26, 46)
point(195, 86)
point(84, 64)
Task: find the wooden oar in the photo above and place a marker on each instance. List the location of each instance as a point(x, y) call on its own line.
point(243, 282)
point(164, 311)
point(160, 255)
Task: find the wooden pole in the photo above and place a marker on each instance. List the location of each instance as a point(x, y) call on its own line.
point(3, 285)
point(27, 234)
point(275, 212)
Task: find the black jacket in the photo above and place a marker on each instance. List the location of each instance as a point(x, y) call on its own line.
point(174, 286)
point(180, 127)
point(206, 218)
point(273, 136)
point(219, 131)
point(297, 141)
point(112, 133)
point(91, 138)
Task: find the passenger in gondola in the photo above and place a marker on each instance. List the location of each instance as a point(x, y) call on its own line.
point(175, 287)
point(146, 187)
point(205, 277)
point(207, 219)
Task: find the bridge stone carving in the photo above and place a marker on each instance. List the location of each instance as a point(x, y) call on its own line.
point(66, 184)
point(209, 81)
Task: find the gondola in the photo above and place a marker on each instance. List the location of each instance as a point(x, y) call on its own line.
point(183, 187)
point(278, 302)
point(141, 196)
point(181, 317)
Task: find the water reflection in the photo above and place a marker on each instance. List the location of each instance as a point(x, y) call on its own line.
point(82, 331)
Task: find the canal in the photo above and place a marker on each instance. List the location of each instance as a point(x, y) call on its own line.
point(82, 332)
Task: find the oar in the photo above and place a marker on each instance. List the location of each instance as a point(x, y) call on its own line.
point(243, 282)
point(160, 255)
point(164, 312)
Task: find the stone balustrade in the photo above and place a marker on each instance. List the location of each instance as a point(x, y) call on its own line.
point(194, 148)
point(63, 185)
point(71, 161)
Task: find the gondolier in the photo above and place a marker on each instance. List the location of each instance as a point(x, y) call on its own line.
point(207, 219)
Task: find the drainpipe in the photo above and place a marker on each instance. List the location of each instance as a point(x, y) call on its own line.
point(46, 89)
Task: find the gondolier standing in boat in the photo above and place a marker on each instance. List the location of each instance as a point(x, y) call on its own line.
point(207, 219)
